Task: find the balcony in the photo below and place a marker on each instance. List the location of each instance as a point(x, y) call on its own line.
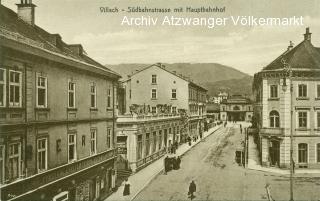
point(142, 118)
point(272, 131)
point(40, 180)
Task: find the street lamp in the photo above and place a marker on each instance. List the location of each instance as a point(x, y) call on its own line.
point(288, 74)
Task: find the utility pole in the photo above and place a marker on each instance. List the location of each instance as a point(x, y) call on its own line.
point(288, 73)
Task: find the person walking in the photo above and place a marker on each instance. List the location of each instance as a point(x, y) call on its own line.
point(178, 162)
point(192, 189)
point(166, 165)
point(126, 190)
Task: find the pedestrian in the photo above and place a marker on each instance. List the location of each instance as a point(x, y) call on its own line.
point(178, 162)
point(192, 189)
point(240, 130)
point(126, 190)
point(166, 160)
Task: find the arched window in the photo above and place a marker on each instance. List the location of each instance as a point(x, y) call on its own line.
point(274, 119)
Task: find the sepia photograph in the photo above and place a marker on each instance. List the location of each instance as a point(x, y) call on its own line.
point(141, 100)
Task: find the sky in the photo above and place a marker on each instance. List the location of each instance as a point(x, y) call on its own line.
point(247, 49)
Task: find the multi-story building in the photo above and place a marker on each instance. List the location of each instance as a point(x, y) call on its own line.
point(162, 106)
point(236, 108)
point(57, 117)
point(287, 103)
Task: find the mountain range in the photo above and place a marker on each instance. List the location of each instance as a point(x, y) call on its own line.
point(212, 76)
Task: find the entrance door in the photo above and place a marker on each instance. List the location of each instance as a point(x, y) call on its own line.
point(274, 151)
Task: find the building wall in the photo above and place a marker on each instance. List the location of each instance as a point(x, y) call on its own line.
point(134, 129)
point(141, 86)
point(55, 121)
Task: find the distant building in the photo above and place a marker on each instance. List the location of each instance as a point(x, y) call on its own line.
point(236, 108)
point(160, 108)
point(280, 110)
point(213, 111)
point(57, 115)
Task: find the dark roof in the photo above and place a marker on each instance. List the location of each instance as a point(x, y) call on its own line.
point(304, 56)
point(10, 24)
point(213, 107)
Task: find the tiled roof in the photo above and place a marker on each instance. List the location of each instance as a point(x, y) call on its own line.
point(303, 56)
point(37, 37)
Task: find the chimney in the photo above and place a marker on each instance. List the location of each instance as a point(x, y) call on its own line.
point(307, 35)
point(56, 40)
point(290, 46)
point(76, 48)
point(26, 11)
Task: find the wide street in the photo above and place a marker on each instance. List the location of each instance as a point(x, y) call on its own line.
point(211, 164)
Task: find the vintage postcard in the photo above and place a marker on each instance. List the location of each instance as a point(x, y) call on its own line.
point(139, 100)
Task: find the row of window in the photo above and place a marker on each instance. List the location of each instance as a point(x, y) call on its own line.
point(14, 153)
point(15, 91)
point(157, 143)
point(154, 94)
point(154, 109)
point(303, 153)
point(302, 119)
point(302, 91)
point(196, 95)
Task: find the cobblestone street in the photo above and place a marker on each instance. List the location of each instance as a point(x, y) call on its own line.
point(212, 166)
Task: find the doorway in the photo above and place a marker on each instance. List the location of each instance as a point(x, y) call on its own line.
point(274, 152)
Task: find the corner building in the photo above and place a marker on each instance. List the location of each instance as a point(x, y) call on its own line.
point(57, 115)
point(286, 105)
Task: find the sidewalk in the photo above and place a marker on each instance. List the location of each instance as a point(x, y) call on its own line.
point(254, 164)
point(143, 177)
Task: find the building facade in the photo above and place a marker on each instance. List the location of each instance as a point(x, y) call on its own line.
point(287, 103)
point(57, 116)
point(147, 137)
point(160, 104)
point(236, 108)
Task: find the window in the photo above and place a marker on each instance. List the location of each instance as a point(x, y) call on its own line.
point(2, 168)
point(2, 87)
point(302, 90)
point(147, 144)
point(42, 154)
point(173, 93)
point(174, 109)
point(274, 119)
point(14, 160)
point(41, 91)
point(15, 89)
point(139, 147)
point(93, 96)
point(302, 117)
point(273, 91)
point(109, 98)
point(153, 110)
point(318, 91)
point(71, 94)
point(93, 142)
point(72, 147)
point(108, 138)
point(153, 94)
point(154, 144)
point(160, 140)
point(318, 120)
point(303, 153)
point(154, 79)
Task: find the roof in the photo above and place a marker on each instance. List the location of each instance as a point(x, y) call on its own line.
point(159, 65)
point(214, 107)
point(13, 28)
point(302, 57)
point(236, 99)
